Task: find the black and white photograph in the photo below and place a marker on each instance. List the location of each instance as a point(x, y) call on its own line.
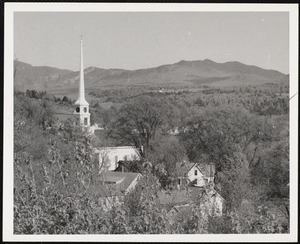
point(150, 122)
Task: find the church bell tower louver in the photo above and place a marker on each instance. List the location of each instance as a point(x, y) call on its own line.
point(81, 105)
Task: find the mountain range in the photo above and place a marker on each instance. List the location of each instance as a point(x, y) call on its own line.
point(186, 74)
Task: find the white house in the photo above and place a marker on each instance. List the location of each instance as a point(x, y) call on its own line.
point(210, 201)
point(110, 156)
point(200, 177)
point(196, 176)
point(200, 174)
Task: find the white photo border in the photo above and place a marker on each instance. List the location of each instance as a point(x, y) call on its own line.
point(7, 214)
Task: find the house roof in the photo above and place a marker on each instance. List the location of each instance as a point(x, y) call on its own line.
point(184, 167)
point(182, 197)
point(182, 208)
point(173, 197)
point(113, 179)
point(196, 193)
point(213, 191)
point(202, 167)
point(113, 183)
point(180, 200)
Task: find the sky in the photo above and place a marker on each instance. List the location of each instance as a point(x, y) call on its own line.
point(137, 40)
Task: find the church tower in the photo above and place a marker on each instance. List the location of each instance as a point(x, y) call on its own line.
point(81, 105)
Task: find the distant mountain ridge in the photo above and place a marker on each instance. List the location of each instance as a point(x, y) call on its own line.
point(182, 73)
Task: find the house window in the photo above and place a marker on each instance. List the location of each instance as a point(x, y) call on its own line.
point(196, 172)
point(77, 109)
point(85, 121)
point(196, 182)
point(85, 109)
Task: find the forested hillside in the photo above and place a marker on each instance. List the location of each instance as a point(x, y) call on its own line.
point(244, 130)
point(181, 75)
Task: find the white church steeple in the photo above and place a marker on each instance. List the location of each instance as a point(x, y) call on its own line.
point(81, 105)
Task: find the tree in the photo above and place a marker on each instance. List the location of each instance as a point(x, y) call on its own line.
point(235, 141)
point(65, 99)
point(101, 116)
point(31, 118)
point(220, 132)
point(50, 191)
point(199, 102)
point(138, 122)
point(167, 151)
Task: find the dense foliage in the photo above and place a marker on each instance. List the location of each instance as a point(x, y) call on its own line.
point(244, 131)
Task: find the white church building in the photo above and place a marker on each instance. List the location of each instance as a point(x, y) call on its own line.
point(108, 156)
